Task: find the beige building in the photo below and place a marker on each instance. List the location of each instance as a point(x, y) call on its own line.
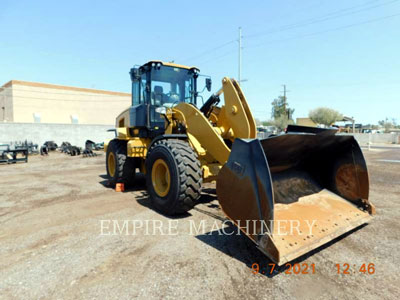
point(305, 122)
point(32, 102)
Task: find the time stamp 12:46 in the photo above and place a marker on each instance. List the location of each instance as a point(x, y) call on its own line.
point(305, 268)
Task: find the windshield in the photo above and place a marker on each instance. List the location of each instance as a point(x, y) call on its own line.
point(170, 85)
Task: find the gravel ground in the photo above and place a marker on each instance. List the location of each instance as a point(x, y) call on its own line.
point(51, 212)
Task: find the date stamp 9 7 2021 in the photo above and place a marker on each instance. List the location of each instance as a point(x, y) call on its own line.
point(305, 268)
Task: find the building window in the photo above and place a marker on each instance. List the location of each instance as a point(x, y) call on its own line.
point(74, 119)
point(37, 118)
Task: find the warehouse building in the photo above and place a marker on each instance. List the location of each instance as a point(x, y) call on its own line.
point(305, 122)
point(32, 102)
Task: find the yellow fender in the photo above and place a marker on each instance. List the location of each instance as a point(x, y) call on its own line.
point(199, 126)
point(237, 112)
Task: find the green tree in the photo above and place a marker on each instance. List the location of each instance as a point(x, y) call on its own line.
point(325, 116)
point(280, 107)
point(387, 125)
point(268, 123)
point(282, 122)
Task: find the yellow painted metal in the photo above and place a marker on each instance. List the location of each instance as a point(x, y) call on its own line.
point(170, 124)
point(160, 177)
point(123, 116)
point(210, 171)
point(123, 133)
point(331, 215)
point(213, 118)
point(196, 145)
point(206, 136)
point(106, 142)
point(224, 125)
point(169, 128)
point(111, 163)
point(243, 101)
point(237, 113)
point(137, 147)
point(198, 126)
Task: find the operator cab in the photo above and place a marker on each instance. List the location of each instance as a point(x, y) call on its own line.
point(157, 84)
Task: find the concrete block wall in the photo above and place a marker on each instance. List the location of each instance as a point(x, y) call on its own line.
point(375, 138)
point(77, 134)
point(38, 133)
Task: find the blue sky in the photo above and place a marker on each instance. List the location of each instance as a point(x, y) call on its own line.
point(340, 54)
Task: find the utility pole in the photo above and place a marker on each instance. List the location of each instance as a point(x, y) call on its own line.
point(240, 54)
point(285, 100)
point(284, 96)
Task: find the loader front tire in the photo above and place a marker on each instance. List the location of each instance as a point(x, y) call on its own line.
point(173, 176)
point(120, 167)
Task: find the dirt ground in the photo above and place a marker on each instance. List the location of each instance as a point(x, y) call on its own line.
point(51, 246)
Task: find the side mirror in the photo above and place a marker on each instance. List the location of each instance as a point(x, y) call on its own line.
point(208, 84)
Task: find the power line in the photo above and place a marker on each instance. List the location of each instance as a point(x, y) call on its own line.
point(202, 54)
point(293, 25)
point(298, 9)
point(218, 57)
point(310, 34)
point(324, 18)
point(328, 30)
point(325, 31)
point(209, 50)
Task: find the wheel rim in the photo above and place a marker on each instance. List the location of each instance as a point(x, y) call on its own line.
point(111, 164)
point(160, 177)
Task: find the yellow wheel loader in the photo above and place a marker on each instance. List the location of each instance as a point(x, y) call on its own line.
point(309, 180)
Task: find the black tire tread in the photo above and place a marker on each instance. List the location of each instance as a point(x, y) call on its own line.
point(189, 172)
point(124, 164)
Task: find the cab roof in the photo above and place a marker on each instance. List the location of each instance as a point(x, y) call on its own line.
point(169, 64)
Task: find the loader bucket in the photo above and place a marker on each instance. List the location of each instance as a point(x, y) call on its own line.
point(295, 192)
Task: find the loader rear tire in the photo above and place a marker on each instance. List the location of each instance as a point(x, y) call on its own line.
point(173, 176)
point(120, 167)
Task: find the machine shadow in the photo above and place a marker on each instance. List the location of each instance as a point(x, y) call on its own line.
point(141, 196)
point(143, 199)
point(140, 183)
